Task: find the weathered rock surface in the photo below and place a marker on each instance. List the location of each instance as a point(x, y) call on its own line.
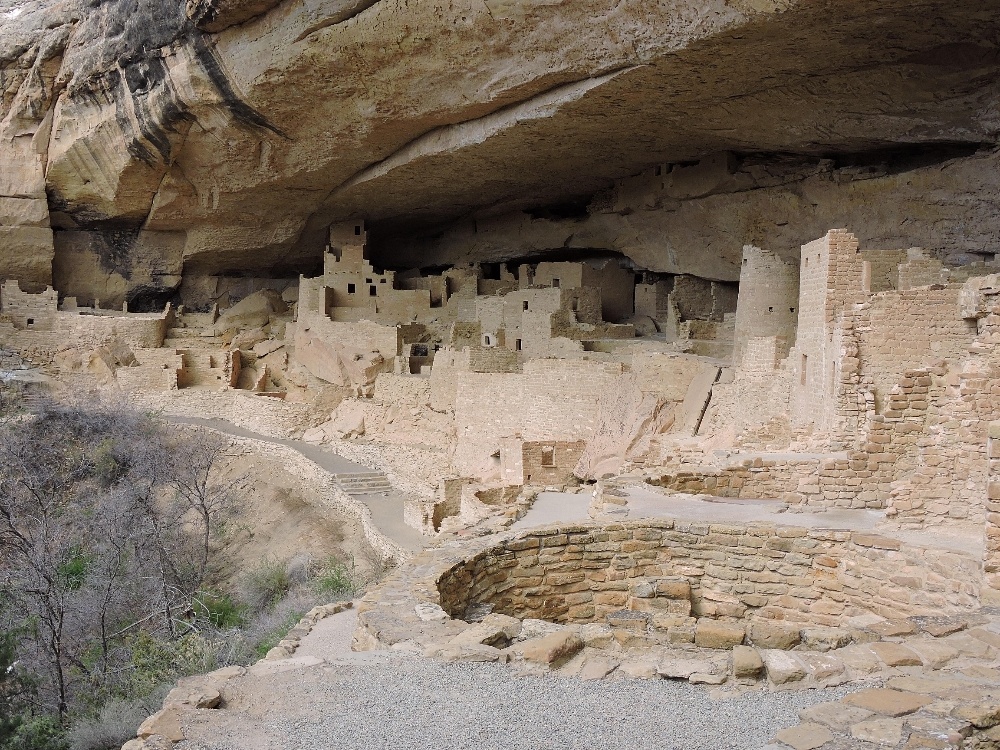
point(143, 142)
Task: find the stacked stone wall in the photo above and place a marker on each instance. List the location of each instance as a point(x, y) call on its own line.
point(897, 331)
point(551, 400)
point(768, 301)
point(86, 331)
point(991, 555)
point(582, 574)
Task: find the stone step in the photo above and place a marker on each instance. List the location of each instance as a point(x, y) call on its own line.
point(364, 483)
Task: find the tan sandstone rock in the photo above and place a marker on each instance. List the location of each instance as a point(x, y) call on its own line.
point(805, 736)
point(717, 634)
point(549, 649)
point(887, 702)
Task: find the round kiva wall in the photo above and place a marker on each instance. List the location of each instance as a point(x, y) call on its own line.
point(676, 571)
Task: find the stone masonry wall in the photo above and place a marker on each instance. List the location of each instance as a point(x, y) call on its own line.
point(552, 400)
point(991, 557)
point(896, 331)
point(768, 301)
point(137, 331)
point(582, 573)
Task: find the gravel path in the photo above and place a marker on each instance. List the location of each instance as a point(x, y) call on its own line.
point(369, 701)
point(414, 703)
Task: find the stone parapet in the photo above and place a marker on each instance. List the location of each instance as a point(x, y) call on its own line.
point(734, 573)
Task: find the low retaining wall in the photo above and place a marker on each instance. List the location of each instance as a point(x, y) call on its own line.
point(583, 572)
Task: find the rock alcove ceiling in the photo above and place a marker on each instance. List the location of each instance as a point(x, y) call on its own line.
point(147, 142)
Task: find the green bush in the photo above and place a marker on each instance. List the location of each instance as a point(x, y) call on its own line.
point(264, 586)
point(334, 579)
point(36, 733)
point(221, 610)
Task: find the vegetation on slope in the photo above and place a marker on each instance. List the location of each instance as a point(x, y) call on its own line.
point(112, 528)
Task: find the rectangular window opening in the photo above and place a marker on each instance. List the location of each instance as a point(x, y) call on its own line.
point(357, 230)
point(548, 456)
point(525, 304)
point(351, 289)
point(517, 345)
point(31, 321)
point(372, 291)
point(555, 283)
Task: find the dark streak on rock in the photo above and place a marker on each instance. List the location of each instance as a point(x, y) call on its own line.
point(242, 111)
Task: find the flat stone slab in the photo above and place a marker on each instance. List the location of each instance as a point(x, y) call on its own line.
point(805, 736)
point(934, 654)
point(597, 668)
point(896, 654)
point(931, 684)
point(835, 715)
point(880, 731)
point(887, 702)
point(893, 628)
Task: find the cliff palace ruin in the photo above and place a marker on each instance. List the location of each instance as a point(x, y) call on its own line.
point(664, 337)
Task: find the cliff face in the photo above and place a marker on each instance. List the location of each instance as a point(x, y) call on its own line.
point(142, 141)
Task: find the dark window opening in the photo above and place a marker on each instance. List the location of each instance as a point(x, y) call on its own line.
point(381, 281)
point(659, 171)
point(770, 309)
point(517, 345)
point(357, 230)
point(368, 281)
point(525, 304)
point(351, 288)
point(791, 309)
point(548, 456)
point(491, 271)
point(575, 304)
point(31, 321)
point(555, 283)
point(372, 291)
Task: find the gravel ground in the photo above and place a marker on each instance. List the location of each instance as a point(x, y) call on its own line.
point(399, 702)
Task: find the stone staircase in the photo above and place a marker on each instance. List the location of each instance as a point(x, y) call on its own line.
point(364, 483)
point(192, 331)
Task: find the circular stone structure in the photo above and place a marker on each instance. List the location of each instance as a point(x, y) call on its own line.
point(684, 576)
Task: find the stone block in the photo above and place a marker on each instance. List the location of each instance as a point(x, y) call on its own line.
point(887, 732)
point(597, 668)
point(981, 714)
point(932, 653)
point(835, 715)
point(747, 663)
point(806, 736)
point(887, 702)
point(772, 634)
point(825, 639)
point(549, 649)
point(896, 654)
point(717, 634)
point(165, 723)
point(628, 619)
point(782, 667)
